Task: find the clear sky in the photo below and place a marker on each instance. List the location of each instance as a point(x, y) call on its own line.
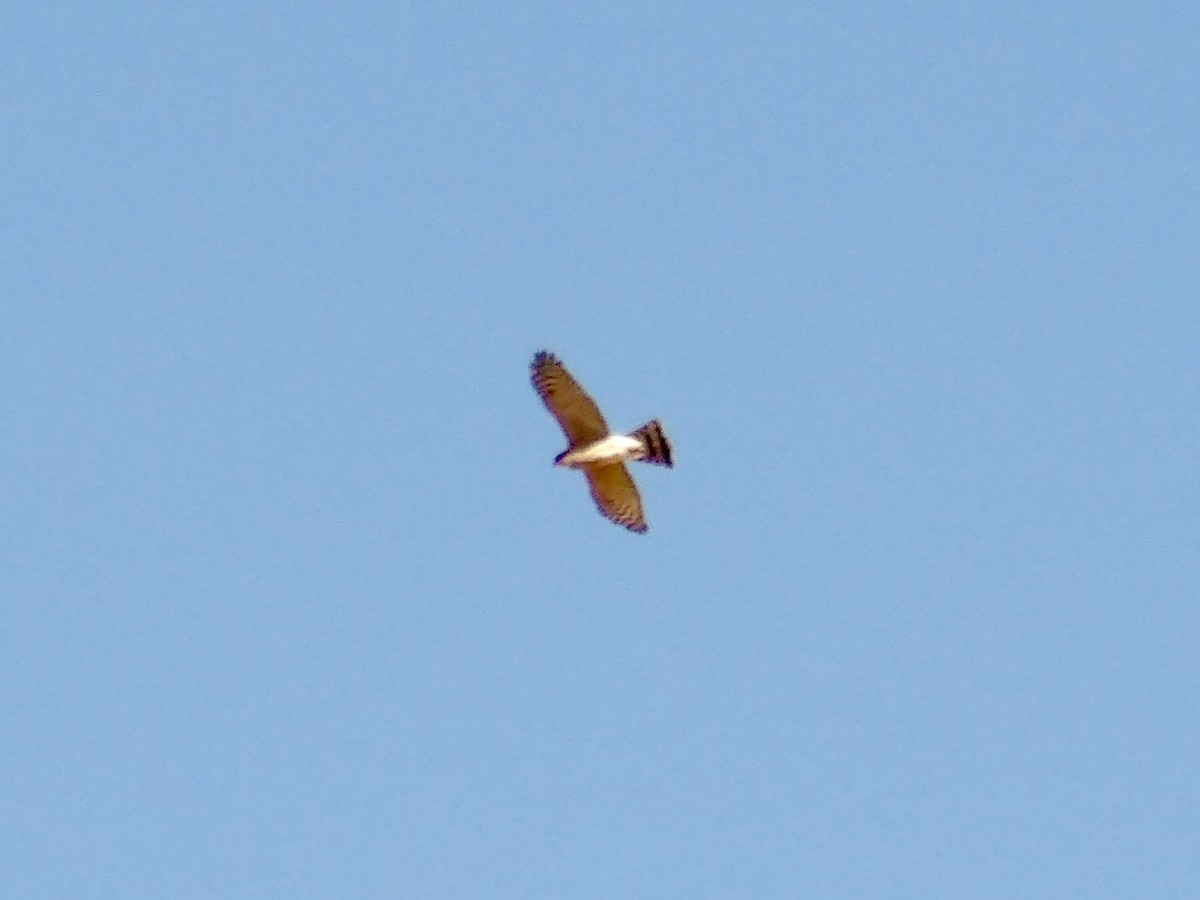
point(294, 603)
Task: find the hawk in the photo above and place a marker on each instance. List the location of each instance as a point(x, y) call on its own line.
point(590, 447)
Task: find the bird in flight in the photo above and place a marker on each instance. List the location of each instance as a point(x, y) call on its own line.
point(591, 448)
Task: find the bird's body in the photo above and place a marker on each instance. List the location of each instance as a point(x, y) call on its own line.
point(615, 448)
point(601, 456)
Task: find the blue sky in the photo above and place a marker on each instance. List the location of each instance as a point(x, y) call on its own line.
point(294, 602)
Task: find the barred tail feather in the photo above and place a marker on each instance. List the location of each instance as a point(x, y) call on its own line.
point(654, 439)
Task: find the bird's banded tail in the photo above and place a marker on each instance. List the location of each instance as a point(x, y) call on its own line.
point(654, 439)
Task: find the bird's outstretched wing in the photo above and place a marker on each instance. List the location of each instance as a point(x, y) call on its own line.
point(616, 496)
point(575, 411)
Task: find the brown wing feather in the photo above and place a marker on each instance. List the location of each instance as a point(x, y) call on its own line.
point(617, 496)
point(575, 411)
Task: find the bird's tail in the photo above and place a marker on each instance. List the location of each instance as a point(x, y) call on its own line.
point(654, 439)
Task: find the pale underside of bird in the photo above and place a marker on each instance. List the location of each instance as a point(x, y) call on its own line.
point(592, 449)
